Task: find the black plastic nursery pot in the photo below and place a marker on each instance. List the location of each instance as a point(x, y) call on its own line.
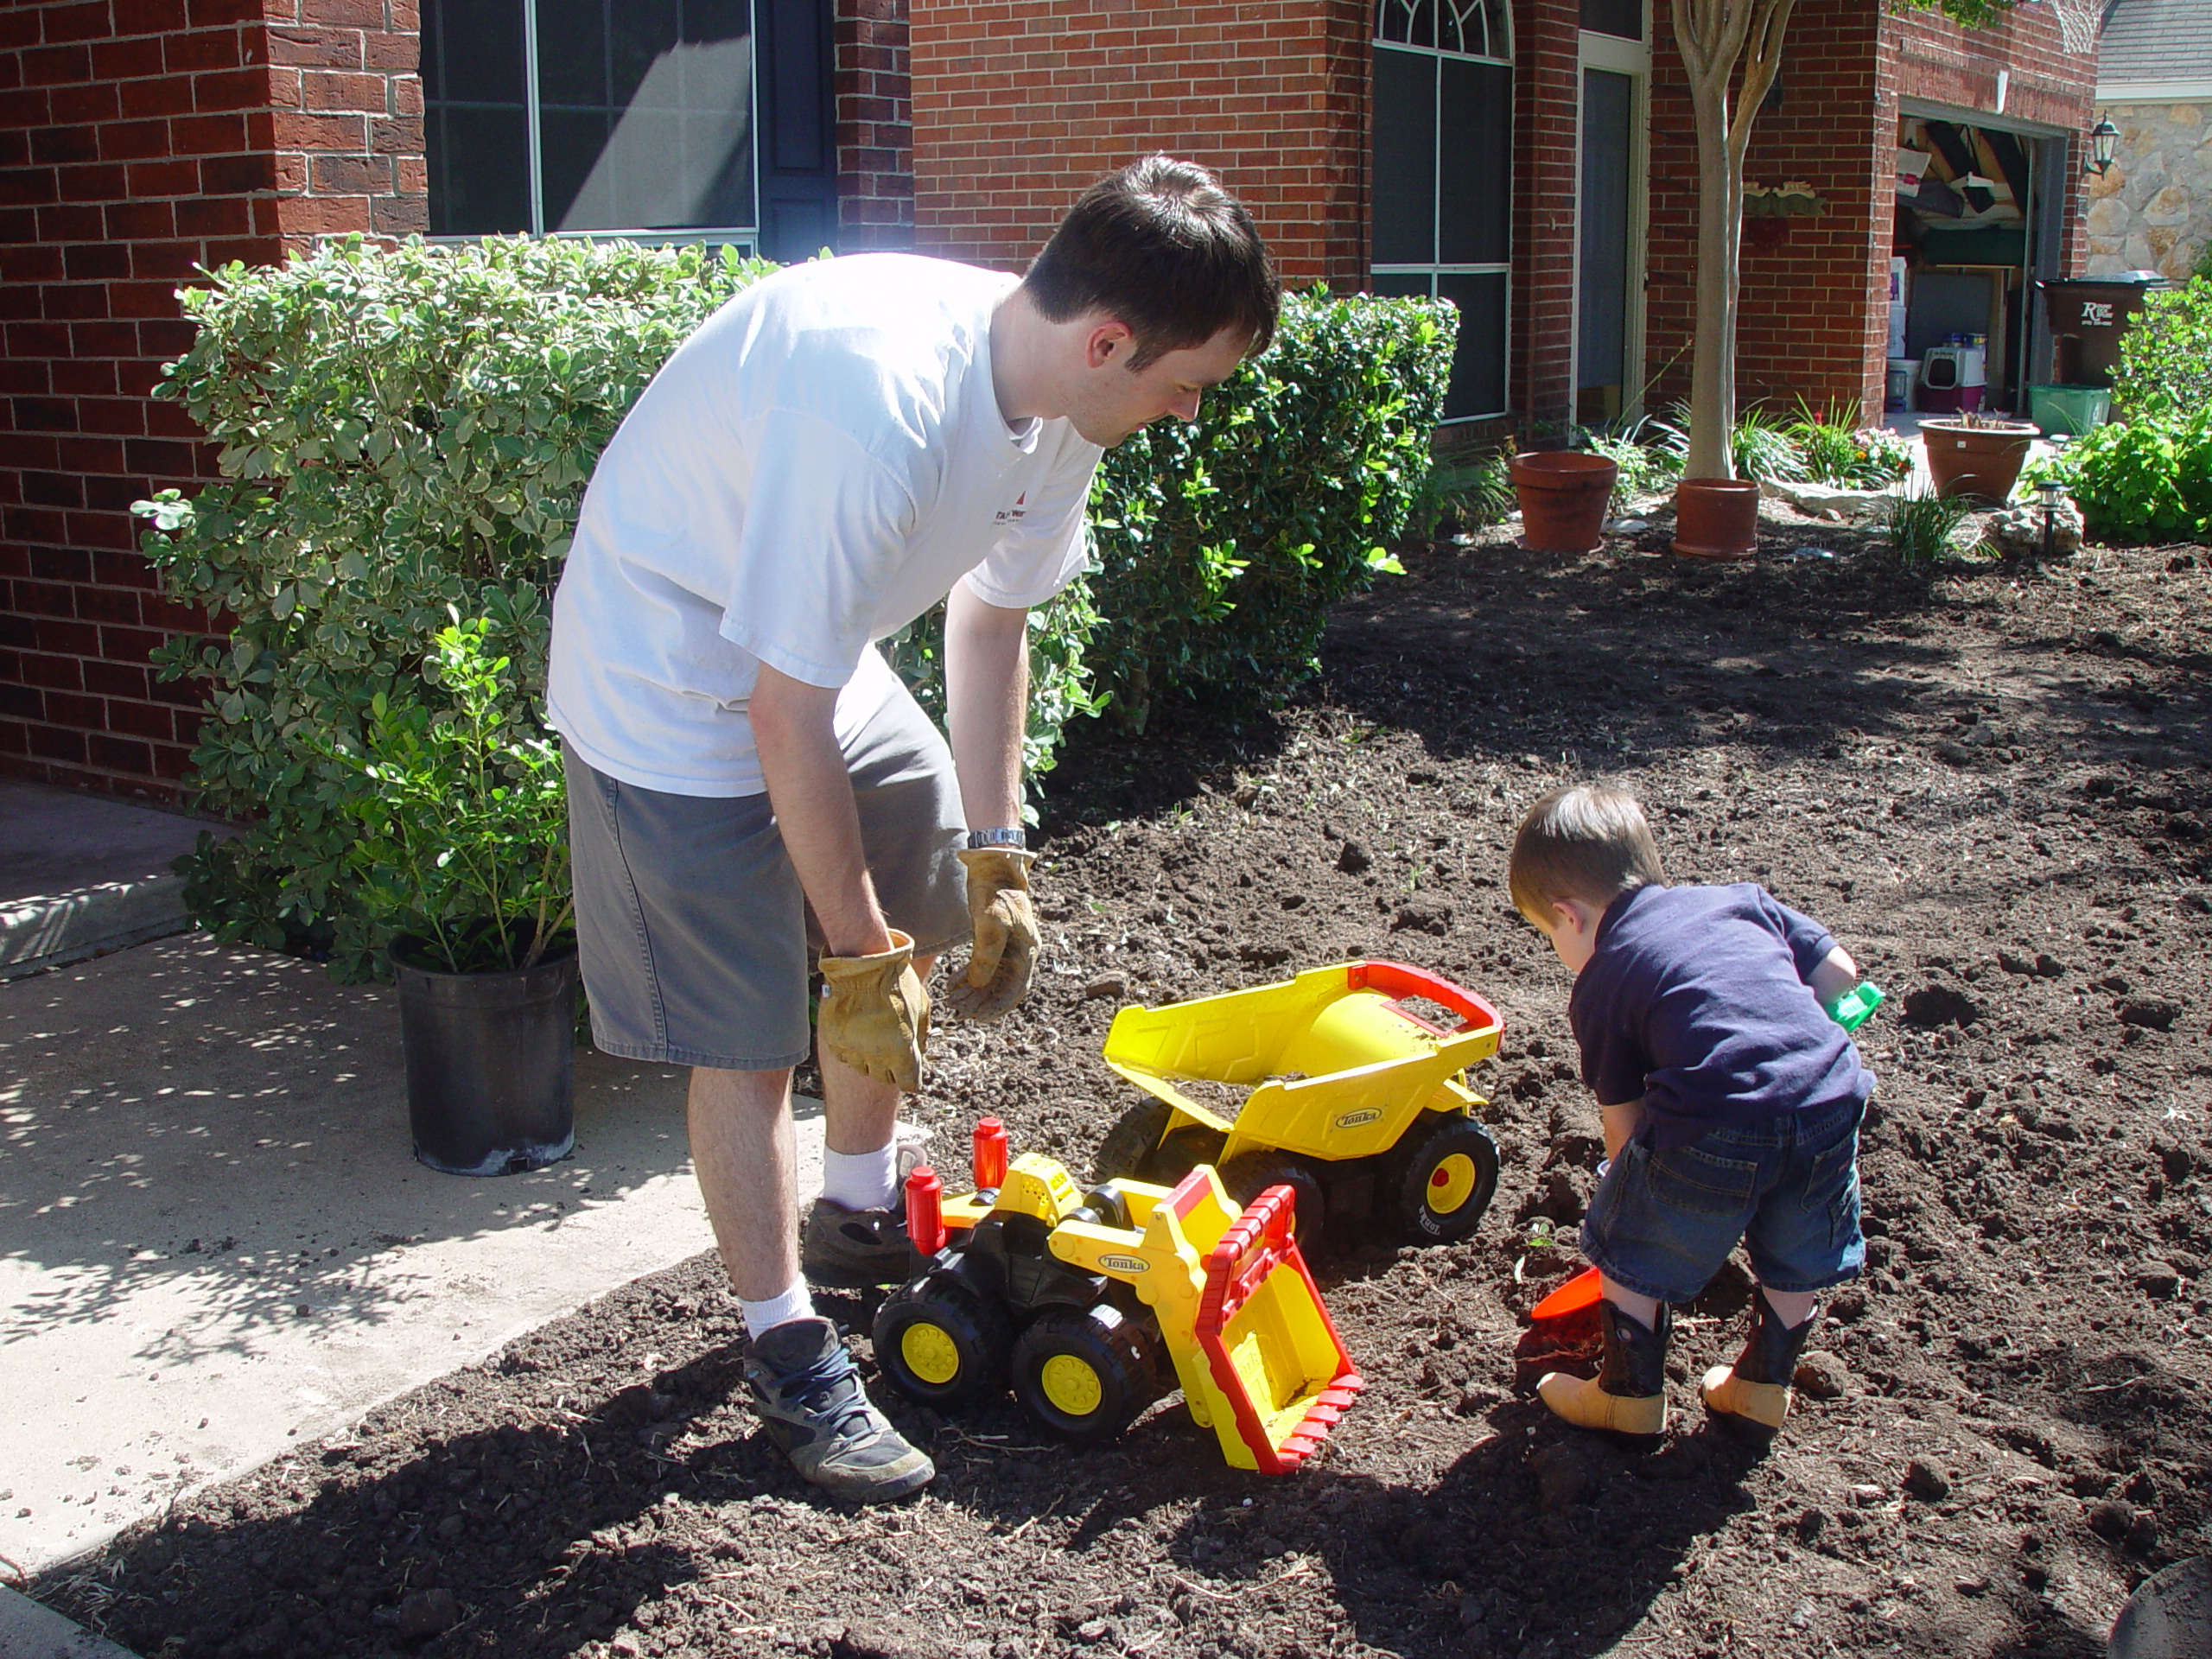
point(491, 1060)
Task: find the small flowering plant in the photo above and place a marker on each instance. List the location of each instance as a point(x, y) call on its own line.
point(1851, 458)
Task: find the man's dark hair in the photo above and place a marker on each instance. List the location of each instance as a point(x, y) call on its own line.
point(1161, 247)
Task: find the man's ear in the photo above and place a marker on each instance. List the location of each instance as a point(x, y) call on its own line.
point(1107, 340)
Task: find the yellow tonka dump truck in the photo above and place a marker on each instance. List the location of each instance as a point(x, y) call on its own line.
point(1093, 1304)
point(1355, 1101)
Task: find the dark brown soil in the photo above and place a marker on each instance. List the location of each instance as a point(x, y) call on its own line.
point(1992, 781)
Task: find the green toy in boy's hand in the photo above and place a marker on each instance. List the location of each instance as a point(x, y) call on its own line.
point(1850, 1010)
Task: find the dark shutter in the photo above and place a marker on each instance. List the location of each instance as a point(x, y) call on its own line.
point(799, 122)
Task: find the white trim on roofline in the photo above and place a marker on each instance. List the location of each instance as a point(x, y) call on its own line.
point(2155, 92)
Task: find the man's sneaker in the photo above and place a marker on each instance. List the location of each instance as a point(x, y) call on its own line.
point(850, 1250)
point(811, 1401)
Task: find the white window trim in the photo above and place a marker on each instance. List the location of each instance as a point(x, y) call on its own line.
point(2155, 92)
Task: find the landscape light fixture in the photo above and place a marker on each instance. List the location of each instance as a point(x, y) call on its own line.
point(2104, 138)
point(2049, 493)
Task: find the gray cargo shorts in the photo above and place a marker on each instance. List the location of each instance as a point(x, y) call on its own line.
point(692, 925)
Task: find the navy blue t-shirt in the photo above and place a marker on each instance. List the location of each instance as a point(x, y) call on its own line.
point(1695, 1002)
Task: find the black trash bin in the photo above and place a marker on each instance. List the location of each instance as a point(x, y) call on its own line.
point(2088, 316)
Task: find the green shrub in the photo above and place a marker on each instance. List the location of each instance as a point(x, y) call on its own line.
point(1764, 448)
point(1222, 545)
point(405, 436)
point(2149, 479)
point(2166, 356)
point(463, 819)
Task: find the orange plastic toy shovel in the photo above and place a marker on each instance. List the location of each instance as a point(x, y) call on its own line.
point(1577, 1293)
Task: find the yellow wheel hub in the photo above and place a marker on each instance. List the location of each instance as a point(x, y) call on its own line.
point(1071, 1386)
point(931, 1353)
point(1450, 1183)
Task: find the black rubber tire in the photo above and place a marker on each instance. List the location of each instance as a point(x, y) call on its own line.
point(1250, 1173)
point(1129, 1145)
point(1108, 1352)
point(1409, 1176)
point(1180, 1152)
point(976, 1332)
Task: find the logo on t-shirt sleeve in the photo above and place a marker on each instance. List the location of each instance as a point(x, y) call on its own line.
point(1014, 514)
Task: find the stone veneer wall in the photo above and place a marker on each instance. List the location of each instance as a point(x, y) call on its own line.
point(2152, 211)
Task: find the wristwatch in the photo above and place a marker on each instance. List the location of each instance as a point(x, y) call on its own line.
point(978, 839)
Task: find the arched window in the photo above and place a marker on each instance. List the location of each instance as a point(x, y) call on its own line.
point(1443, 177)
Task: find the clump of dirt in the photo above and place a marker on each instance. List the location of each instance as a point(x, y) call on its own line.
point(1989, 780)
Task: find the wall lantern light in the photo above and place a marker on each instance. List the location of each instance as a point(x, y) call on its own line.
point(2103, 139)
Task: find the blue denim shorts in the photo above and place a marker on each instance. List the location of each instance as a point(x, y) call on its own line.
point(1661, 1221)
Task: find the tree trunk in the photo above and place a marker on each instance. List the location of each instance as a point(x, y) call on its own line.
point(1711, 35)
point(1713, 354)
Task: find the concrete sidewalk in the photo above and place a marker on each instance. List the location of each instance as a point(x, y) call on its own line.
point(215, 1241)
point(81, 875)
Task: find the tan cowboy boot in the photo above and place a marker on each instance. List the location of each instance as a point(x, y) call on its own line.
point(1628, 1394)
point(1752, 1396)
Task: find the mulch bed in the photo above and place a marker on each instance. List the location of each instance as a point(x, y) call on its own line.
point(1989, 779)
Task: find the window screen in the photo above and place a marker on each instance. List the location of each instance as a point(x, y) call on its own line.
point(640, 116)
point(1443, 177)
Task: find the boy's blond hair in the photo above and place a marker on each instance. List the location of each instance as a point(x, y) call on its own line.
point(1588, 842)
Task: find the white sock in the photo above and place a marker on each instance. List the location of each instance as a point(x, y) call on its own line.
point(793, 1304)
point(861, 1180)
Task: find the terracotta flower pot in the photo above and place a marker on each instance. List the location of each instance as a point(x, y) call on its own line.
point(1979, 462)
point(1563, 497)
point(1716, 517)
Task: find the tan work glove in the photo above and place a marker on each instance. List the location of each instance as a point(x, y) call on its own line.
point(875, 1015)
point(1006, 933)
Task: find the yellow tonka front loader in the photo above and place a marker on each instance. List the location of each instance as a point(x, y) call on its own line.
point(1075, 1296)
point(1356, 1102)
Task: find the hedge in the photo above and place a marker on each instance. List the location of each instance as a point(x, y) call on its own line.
point(405, 436)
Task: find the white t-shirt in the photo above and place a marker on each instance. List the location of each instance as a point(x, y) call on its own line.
point(808, 473)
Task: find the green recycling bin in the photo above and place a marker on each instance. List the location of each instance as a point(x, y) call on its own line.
point(2071, 410)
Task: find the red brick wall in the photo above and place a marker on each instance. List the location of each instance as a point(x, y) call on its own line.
point(138, 140)
point(876, 126)
point(1547, 126)
point(134, 138)
point(1814, 311)
point(346, 102)
point(1018, 107)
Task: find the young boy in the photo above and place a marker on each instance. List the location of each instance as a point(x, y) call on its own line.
point(1731, 1103)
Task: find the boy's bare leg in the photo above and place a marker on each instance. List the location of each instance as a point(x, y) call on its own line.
point(1643, 1309)
point(742, 1149)
point(1792, 1307)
